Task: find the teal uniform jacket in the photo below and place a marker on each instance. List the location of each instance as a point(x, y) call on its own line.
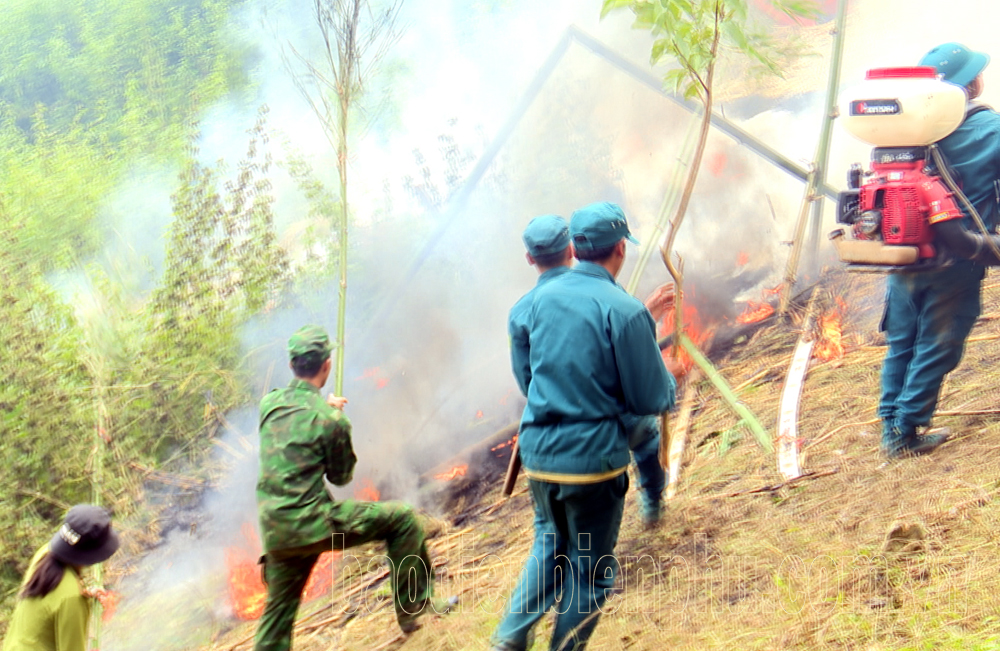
point(973, 150)
point(592, 358)
point(929, 314)
point(518, 326)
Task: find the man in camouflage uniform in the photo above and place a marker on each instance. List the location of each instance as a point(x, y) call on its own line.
point(303, 437)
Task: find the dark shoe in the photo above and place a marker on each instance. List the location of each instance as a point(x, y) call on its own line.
point(506, 646)
point(898, 443)
point(927, 443)
point(895, 440)
point(651, 514)
point(410, 623)
point(510, 646)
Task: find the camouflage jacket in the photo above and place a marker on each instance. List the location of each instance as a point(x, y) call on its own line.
point(301, 439)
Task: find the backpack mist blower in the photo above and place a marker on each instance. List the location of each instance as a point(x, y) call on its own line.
point(891, 207)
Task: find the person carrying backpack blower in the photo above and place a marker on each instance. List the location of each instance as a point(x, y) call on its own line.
point(929, 314)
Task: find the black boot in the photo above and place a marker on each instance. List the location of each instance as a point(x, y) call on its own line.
point(900, 442)
point(928, 442)
point(894, 441)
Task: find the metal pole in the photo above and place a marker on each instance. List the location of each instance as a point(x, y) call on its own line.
point(455, 204)
point(817, 175)
point(823, 151)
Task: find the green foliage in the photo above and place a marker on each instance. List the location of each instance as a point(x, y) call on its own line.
point(94, 396)
point(223, 266)
point(685, 33)
point(317, 262)
point(85, 88)
point(43, 424)
point(101, 384)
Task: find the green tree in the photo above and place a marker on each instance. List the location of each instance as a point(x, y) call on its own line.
point(45, 420)
point(694, 35)
point(85, 89)
point(97, 396)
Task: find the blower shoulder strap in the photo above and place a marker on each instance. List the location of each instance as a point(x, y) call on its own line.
point(976, 108)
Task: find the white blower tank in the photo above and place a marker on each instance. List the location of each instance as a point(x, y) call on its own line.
point(902, 107)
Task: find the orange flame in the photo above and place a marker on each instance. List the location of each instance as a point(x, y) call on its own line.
point(247, 592)
point(321, 577)
point(504, 444)
point(375, 374)
point(831, 327)
point(755, 312)
point(366, 491)
point(479, 414)
point(694, 328)
point(742, 259)
point(457, 471)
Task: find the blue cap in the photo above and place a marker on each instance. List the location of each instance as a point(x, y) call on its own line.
point(546, 235)
point(958, 64)
point(599, 226)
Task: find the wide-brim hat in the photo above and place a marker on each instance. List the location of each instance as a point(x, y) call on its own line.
point(85, 538)
point(956, 63)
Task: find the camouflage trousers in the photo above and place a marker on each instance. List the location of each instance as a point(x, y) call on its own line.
point(353, 523)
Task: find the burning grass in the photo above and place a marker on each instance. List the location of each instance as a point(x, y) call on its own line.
point(863, 555)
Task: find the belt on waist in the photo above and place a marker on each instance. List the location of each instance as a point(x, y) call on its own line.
point(572, 478)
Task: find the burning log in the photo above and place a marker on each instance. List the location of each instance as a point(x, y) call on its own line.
point(470, 474)
point(725, 335)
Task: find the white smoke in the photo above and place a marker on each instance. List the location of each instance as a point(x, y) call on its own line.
point(427, 350)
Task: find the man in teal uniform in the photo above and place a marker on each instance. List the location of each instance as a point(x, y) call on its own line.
point(929, 315)
point(546, 239)
point(592, 358)
point(303, 437)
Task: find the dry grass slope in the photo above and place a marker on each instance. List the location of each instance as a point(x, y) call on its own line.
point(864, 555)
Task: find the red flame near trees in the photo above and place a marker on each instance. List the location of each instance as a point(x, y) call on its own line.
point(247, 592)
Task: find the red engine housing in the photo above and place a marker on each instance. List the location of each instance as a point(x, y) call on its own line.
point(908, 200)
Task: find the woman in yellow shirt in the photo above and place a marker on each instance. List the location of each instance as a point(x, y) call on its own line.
point(53, 610)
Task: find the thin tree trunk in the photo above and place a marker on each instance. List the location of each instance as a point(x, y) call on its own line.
point(342, 242)
point(348, 54)
point(675, 224)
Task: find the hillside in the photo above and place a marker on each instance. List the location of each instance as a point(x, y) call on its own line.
point(859, 554)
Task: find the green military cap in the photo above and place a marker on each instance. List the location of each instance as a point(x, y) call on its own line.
point(310, 339)
point(599, 226)
point(956, 63)
point(546, 235)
